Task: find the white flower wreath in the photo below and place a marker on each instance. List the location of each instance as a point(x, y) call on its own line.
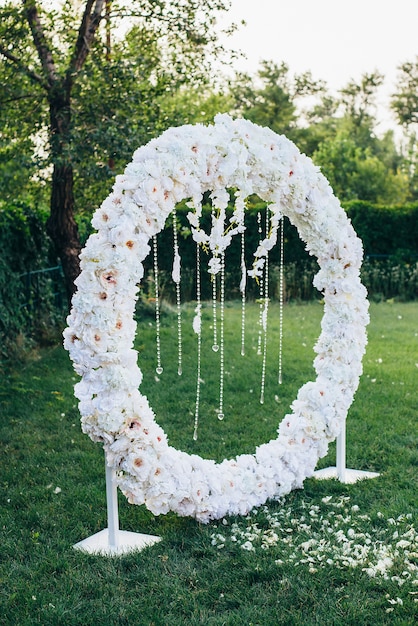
point(183, 163)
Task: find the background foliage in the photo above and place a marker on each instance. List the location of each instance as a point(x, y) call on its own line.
point(25, 249)
point(157, 65)
point(390, 268)
point(389, 236)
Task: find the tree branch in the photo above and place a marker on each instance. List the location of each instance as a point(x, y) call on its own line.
point(16, 98)
point(92, 17)
point(23, 68)
point(39, 39)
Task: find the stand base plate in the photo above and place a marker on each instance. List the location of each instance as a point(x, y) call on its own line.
point(127, 542)
point(350, 476)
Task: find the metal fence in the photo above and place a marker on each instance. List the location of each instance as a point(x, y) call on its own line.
point(43, 288)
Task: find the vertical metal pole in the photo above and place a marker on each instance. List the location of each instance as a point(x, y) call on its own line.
point(341, 440)
point(112, 507)
point(27, 287)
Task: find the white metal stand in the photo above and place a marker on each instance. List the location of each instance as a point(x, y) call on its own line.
point(344, 475)
point(112, 541)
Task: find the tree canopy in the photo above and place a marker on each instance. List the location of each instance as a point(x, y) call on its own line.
point(337, 132)
point(82, 86)
point(83, 98)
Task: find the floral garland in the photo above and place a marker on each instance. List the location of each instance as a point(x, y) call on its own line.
point(183, 163)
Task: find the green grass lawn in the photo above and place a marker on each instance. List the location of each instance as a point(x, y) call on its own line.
point(329, 554)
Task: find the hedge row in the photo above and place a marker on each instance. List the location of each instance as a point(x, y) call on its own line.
point(389, 234)
point(387, 231)
point(25, 248)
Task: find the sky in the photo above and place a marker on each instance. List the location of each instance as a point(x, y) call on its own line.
point(336, 40)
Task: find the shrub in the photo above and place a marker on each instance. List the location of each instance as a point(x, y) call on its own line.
point(25, 248)
point(389, 235)
point(384, 230)
point(390, 269)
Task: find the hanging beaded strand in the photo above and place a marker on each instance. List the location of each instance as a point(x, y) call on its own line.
point(264, 319)
point(159, 370)
point(221, 414)
point(215, 345)
point(198, 330)
point(176, 278)
point(281, 297)
point(261, 295)
point(242, 289)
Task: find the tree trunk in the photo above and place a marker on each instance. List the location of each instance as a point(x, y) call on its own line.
point(61, 224)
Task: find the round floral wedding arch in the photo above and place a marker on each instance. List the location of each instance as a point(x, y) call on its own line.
point(183, 163)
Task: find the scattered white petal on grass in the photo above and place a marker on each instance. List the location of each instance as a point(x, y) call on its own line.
point(379, 360)
point(57, 490)
point(373, 380)
point(337, 536)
